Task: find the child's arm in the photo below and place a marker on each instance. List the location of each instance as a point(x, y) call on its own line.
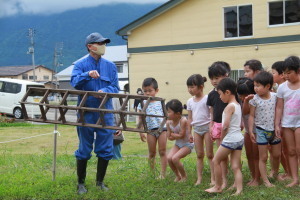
point(278, 115)
point(211, 124)
point(182, 132)
point(228, 111)
point(169, 131)
point(251, 123)
point(142, 135)
point(246, 105)
point(189, 124)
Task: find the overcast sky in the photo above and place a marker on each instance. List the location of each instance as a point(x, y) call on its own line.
point(12, 7)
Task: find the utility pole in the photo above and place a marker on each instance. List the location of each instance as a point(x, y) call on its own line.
point(56, 63)
point(31, 50)
point(57, 55)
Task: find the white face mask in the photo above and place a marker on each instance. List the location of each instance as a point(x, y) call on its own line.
point(100, 49)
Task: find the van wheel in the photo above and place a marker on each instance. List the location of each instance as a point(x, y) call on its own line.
point(18, 113)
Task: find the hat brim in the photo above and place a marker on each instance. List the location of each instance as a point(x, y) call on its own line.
point(106, 40)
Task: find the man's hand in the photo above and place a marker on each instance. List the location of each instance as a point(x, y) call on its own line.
point(117, 133)
point(143, 137)
point(94, 74)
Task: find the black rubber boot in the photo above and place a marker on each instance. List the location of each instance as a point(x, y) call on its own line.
point(101, 171)
point(81, 174)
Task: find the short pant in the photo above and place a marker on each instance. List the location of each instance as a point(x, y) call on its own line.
point(201, 130)
point(216, 131)
point(188, 145)
point(233, 145)
point(154, 132)
point(264, 137)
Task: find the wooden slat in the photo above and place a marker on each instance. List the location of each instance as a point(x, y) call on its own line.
point(63, 107)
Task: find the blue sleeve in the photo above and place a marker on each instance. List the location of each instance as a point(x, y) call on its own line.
point(79, 77)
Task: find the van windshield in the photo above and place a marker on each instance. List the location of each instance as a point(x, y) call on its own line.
point(36, 93)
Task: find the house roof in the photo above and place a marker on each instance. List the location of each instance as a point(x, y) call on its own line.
point(112, 53)
point(17, 70)
point(124, 31)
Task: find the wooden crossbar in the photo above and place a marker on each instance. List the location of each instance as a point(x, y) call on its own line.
point(63, 107)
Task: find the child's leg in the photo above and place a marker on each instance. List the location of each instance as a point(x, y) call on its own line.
point(183, 152)
point(255, 153)
point(172, 152)
point(210, 155)
point(221, 154)
point(235, 159)
point(276, 153)
point(151, 141)
point(263, 157)
point(249, 155)
point(162, 146)
point(290, 138)
point(199, 147)
point(284, 160)
point(271, 175)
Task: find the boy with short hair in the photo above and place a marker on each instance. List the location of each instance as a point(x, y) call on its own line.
point(150, 88)
point(262, 114)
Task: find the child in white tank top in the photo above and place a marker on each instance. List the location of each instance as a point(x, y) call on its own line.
point(231, 136)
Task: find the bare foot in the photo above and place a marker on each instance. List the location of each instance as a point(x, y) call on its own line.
point(183, 179)
point(271, 175)
point(292, 184)
point(212, 183)
point(177, 179)
point(237, 193)
point(160, 177)
point(198, 182)
point(283, 177)
point(224, 184)
point(249, 183)
point(231, 187)
point(214, 190)
point(253, 183)
point(268, 184)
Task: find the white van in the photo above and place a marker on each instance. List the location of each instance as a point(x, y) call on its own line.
point(11, 93)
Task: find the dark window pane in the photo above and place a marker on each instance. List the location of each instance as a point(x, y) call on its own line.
point(12, 88)
point(245, 20)
point(292, 11)
point(230, 22)
point(275, 13)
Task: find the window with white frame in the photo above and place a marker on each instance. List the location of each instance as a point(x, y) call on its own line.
point(284, 12)
point(236, 74)
point(238, 21)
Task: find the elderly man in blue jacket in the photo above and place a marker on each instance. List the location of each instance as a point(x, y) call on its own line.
point(94, 73)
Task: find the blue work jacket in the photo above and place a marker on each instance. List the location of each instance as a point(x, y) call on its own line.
point(108, 81)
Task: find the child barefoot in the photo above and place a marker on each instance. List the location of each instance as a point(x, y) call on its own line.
point(278, 76)
point(199, 119)
point(177, 129)
point(288, 113)
point(150, 88)
point(245, 90)
point(262, 113)
point(216, 72)
point(232, 137)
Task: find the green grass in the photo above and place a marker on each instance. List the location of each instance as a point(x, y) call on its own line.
point(26, 171)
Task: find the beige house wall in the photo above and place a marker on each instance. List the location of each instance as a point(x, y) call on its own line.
point(171, 69)
point(40, 72)
point(198, 21)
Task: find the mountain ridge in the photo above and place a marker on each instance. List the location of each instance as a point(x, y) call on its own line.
point(70, 27)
